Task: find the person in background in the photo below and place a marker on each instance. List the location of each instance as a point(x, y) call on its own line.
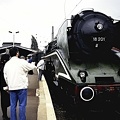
point(40, 66)
point(22, 57)
point(5, 97)
point(30, 60)
point(15, 74)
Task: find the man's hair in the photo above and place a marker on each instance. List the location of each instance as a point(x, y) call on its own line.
point(13, 51)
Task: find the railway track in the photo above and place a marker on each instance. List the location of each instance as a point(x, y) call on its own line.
point(65, 111)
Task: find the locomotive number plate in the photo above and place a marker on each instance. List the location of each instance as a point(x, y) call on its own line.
point(99, 39)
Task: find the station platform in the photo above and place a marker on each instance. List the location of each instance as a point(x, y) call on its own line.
point(39, 100)
point(45, 106)
point(39, 103)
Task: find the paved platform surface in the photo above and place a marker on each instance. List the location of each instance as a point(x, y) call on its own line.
point(39, 107)
point(32, 106)
point(45, 108)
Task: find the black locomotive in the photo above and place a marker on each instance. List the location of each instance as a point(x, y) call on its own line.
point(84, 59)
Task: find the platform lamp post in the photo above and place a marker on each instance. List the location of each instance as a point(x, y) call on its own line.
point(13, 36)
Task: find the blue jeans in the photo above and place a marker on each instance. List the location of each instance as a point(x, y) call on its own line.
point(21, 96)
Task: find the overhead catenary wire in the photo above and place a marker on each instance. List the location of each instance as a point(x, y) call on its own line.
point(65, 16)
point(69, 13)
point(72, 9)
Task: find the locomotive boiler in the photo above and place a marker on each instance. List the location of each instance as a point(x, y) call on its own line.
point(84, 59)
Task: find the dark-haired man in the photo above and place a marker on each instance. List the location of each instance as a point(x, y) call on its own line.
point(15, 74)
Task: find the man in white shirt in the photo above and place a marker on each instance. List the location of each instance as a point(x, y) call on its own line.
point(15, 74)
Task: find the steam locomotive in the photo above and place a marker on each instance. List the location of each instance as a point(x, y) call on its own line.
point(84, 58)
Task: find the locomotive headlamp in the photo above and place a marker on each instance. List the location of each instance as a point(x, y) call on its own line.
point(99, 26)
point(82, 75)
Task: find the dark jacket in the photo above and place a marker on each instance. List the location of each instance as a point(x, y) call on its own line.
point(5, 97)
point(2, 80)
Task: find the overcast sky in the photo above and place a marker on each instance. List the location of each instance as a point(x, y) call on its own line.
point(36, 17)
